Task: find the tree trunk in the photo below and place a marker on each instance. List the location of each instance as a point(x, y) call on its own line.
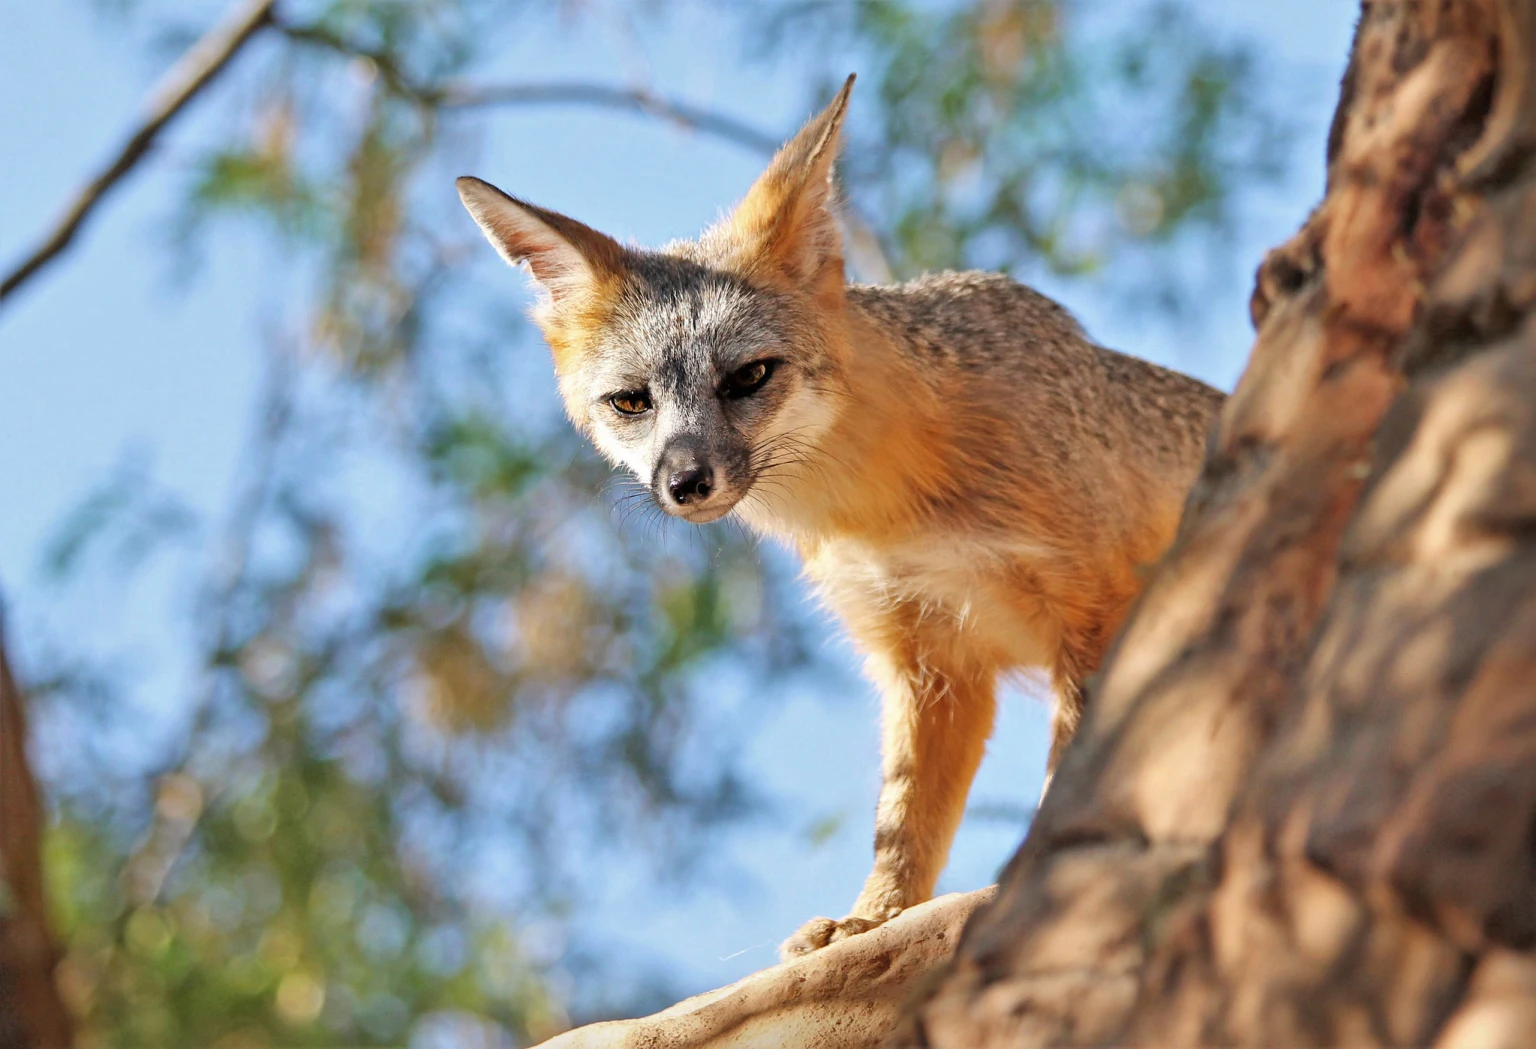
point(1302, 808)
point(31, 1013)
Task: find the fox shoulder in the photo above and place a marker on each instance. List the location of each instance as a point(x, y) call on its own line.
point(961, 314)
point(990, 327)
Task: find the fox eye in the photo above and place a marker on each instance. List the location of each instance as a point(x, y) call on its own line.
point(748, 379)
point(632, 402)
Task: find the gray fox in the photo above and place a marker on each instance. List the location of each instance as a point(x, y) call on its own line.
point(972, 485)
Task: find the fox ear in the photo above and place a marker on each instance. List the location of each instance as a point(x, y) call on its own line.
point(566, 257)
point(787, 216)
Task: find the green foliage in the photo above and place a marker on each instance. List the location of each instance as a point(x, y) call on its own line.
point(139, 515)
point(1038, 135)
point(430, 672)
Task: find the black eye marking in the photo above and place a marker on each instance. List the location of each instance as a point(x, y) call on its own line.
point(631, 402)
point(748, 379)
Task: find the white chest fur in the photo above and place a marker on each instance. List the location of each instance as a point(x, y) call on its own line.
point(966, 590)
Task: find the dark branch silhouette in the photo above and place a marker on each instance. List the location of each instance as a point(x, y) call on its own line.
point(575, 92)
point(31, 1012)
point(632, 100)
point(185, 81)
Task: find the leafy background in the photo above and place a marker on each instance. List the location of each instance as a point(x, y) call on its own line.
point(372, 710)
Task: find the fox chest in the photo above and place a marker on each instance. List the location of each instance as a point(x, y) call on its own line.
point(966, 594)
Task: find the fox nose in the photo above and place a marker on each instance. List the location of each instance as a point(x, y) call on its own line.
point(691, 485)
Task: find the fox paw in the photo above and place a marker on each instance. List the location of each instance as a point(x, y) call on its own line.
point(818, 932)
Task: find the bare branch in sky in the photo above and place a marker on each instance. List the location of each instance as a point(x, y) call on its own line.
point(213, 53)
point(185, 80)
point(631, 99)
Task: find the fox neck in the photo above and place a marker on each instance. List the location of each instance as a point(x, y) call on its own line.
point(886, 455)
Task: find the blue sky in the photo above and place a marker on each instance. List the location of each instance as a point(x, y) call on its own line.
point(110, 354)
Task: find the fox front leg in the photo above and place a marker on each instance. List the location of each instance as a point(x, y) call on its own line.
point(936, 721)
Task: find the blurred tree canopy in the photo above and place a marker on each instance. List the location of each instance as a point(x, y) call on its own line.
point(439, 660)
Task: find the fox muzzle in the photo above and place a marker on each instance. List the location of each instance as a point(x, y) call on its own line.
point(686, 483)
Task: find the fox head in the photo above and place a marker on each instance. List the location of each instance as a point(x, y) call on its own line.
point(709, 368)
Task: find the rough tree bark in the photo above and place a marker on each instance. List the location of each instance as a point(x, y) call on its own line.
point(31, 1013)
point(1302, 810)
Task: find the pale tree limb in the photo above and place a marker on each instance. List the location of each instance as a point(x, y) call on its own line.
point(185, 80)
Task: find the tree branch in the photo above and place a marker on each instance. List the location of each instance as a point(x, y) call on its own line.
point(865, 253)
point(573, 92)
point(213, 53)
point(632, 100)
point(31, 1012)
point(195, 71)
point(383, 61)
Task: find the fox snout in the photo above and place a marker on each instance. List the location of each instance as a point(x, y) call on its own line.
point(691, 484)
point(686, 483)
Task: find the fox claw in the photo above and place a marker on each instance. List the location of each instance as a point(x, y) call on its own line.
point(819, 932)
